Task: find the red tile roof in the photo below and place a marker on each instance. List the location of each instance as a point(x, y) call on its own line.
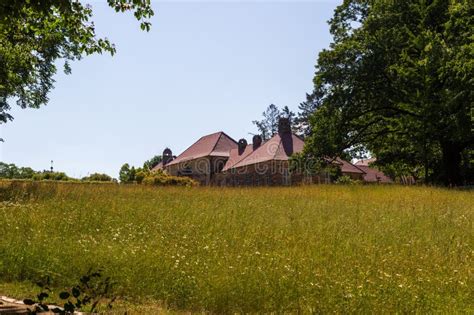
point(235, 157)
point(216, 144)
point(280, 147)
point(347, 167)
point(373, 175)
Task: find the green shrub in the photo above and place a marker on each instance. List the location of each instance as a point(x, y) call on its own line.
point(51, 176)
point(97, 177)
point(140, 175)
point(160, 178)
point(347, 180)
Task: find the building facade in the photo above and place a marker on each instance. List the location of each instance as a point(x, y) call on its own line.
point(217, 159)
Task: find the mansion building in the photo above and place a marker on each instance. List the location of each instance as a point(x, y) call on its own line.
point(217, 159)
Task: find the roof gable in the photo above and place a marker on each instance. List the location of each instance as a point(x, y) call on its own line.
point(223, 146)
point(215, 144)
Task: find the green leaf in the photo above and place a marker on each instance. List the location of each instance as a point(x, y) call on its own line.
point(64, 295)
point(29, 302)
point(76, 292)
point(42, 296)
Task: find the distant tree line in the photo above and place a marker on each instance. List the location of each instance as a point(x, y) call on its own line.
point(127, 175)
point(11, 171)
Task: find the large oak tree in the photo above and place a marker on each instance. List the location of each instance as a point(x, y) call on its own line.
point(398, 81)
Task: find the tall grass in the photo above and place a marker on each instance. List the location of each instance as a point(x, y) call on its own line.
point(301, 249)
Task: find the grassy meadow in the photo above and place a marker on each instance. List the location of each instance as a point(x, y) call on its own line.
point(315, 249)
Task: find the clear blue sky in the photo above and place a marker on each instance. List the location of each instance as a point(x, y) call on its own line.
point(203, 67)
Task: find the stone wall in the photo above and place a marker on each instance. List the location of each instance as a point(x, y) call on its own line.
point(271, 173)
point(207, 171)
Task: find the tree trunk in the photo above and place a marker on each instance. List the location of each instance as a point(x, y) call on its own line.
point(451, 173)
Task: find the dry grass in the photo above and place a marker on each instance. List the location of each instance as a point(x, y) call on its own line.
point(302, 249)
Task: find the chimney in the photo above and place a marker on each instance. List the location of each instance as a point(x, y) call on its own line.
point(242, 145)
point(256, 141)
point(284, 126)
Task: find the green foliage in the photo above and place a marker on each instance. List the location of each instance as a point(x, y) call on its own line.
point(159, 178)
point(140, 175)
point(12, 171)
point(125, 174)
point(268, 126)
point(151, 163)
point(399, 169)
point(317, 249)
point(35, 35)
point(306, 110)
point(98, 177)
point(85, 295)
point(130, 175)
point(47, 175)
point(347, 180)
point(397, 81)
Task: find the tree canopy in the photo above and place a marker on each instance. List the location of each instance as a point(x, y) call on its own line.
point(398, 81)
point(35, 34)
point(268, 126)
point(151, 163)
point(11, 171)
